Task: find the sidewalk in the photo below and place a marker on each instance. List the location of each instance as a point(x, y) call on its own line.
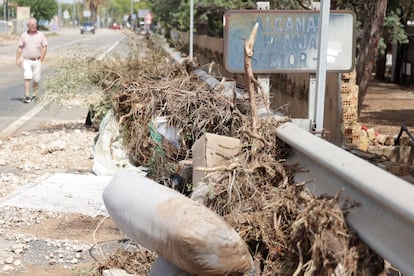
point(64, 192)
point(50, 202)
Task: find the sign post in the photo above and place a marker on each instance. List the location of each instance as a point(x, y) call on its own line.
point(317, 119)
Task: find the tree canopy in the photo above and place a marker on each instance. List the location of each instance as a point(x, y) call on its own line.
point(208, 14)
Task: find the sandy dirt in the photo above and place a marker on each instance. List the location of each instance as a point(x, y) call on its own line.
point(387, 107)
point(50, 243)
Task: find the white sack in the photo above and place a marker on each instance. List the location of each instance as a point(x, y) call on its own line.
point(109, 153)
point(184, 232)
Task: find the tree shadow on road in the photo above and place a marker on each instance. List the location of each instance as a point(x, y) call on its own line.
point(390, 117)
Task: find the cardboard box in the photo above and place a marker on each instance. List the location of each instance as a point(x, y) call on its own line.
point(213, 150)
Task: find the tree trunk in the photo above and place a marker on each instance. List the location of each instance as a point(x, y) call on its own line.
point(93, 9)
point(402, 48)
point(380, 67)
point(372, 26)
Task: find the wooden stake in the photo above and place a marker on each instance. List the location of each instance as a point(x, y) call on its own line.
point(250, 80)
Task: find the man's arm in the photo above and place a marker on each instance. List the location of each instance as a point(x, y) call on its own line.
point(18, 56)
point(44, 47)
point(43, 53)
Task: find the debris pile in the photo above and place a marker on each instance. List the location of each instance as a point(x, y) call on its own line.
point(288, 230)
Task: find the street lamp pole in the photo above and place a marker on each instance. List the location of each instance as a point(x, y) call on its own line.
point(6, 10)
point(191, 29)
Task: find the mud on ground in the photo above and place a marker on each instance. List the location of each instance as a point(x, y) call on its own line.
point(388, 106)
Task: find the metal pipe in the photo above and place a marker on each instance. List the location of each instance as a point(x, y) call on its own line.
point(322, 65)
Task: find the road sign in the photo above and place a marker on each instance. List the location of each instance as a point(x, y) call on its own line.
point(287, 41)
point(23, 13)
point(66, 14)
point(148, 19)
point(86, 13)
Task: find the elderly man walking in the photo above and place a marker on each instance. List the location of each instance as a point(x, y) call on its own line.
point(31, 52)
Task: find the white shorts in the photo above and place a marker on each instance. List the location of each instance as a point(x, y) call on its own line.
point(32, 69)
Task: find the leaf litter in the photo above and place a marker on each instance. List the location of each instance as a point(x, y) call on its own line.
point(288, 230)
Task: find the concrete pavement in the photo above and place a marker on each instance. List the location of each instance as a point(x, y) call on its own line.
point(64, 192)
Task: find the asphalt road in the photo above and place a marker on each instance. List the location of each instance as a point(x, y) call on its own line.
point(14, 114)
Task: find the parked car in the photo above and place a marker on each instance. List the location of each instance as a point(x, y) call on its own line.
point(87, 26)
point(115, 26)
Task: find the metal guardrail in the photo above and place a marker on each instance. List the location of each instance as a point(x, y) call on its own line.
point(385, 218)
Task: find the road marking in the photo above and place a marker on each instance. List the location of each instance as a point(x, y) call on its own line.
point(13, 127)
point(110, 49)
